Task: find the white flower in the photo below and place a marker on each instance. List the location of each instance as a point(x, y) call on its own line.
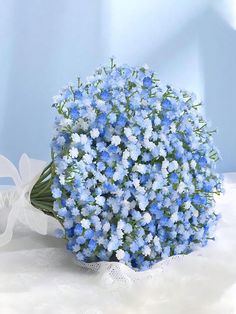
point(187, 204)
point(148, 134)
point(120, 254)
point(156, 241)
point(164, 172)
point(174, 217)
point(121, 224)
point(149, 237)
point(133, 139)
point(146, 250)
point(193, 164)
point(149, 145)
point(61, 140)
point(85, 223)
point(62, 179)
point(181, 187)
point(75, 138)
point(88, 158)
point(94, 133)
point(128, 132)
point(173, 166)
point(185, 166)
point(70, 202)
point(140, 168)
point(57, 99)
point(101, 240)
point(126, 154)
point(101, 104)
point(66, 122)
point(143, 204)
point(126, 204)
point(141, 189)
point(125, 163)
point(136, 183)
point(173, 127)
point(100, 200)
point(106, 227)
point(162, 152)
point(147, 217)
point(74, 152)
point(119, 233)
point(83, 139)
point(115, 140)
point(83, 124)
point(165, 164)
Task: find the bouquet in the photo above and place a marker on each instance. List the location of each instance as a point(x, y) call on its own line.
point(132, 177)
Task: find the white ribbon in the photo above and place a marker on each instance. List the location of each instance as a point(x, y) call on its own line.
point(21, 208)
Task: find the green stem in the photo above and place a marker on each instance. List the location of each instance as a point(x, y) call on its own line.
point(41, 195)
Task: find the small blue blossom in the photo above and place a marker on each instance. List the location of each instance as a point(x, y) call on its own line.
point(92, 245)
point(74, 113)
point(167, 105)
point(105, 156)
point(105, 95)
point(89, 233)
point(147, 82)
point(121, 121)
point(109, 172)
point(78, 95)
point(174, 178)
point(78, 229)
point(59, 233)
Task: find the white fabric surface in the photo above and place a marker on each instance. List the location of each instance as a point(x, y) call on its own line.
point(37, 275)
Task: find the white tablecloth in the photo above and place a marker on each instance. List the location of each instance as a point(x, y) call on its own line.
point(38, 275)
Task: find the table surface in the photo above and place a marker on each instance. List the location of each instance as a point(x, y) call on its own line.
point(38, 275)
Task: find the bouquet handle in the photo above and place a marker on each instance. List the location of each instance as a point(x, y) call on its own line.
point(15, 201)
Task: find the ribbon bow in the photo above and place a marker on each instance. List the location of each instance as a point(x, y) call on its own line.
point(21, 208)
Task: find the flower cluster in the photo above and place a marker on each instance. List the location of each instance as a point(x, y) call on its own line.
point(134, 178)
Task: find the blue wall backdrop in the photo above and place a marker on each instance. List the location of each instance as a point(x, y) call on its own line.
point(46, 44)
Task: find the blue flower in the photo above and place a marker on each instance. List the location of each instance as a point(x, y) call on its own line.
point(74, 113)
point(121, 122)
point(62, 212)
point(109, 172)
point(59, 233)
point(167, 105)
point(89, 233)
point(174, 178)
point(109, 187)
point(147, 82)
point(105, 156)
point(92, 245)
point(80, 240)
point(134, 247)
point(202, 162)
point(105, 95)
point(56, 192)
point(101, 166)
point(78, 95)
point(102, 118)
point(78, 230)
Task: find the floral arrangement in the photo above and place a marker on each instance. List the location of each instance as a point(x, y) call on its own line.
point(132, 177)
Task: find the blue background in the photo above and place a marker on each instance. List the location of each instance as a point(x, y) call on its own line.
point(46, 44)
